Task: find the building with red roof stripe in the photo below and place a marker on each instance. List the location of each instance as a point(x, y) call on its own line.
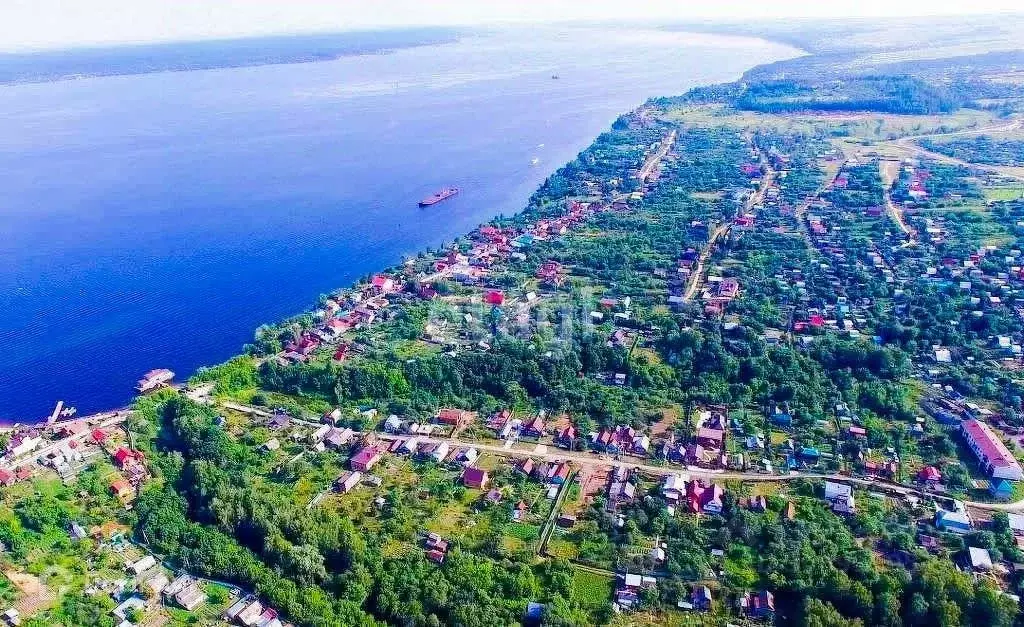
point(995, 458)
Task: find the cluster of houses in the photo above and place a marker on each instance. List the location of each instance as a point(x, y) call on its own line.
point(76, 444)
point(250, 612)
point(695, 496)
point(148, 583)
point(551, 473)
point(754, 605)
point(22, 442)
point(435, 548)
point(621, 439)
point(352, 310)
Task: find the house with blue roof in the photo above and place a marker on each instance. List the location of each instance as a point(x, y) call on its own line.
point(523, 241)
point(1001, 489)
point(534, 613)
point(810, 454)
point(954, 522)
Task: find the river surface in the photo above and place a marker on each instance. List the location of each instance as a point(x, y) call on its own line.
point(156, 220)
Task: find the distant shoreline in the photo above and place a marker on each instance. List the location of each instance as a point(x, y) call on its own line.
point(138, 59)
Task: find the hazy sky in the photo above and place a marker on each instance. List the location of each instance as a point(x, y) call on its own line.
point(29, 24)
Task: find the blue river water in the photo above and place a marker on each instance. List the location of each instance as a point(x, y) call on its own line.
point(155, 220)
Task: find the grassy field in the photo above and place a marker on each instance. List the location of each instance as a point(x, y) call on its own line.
point(671, 618)
point(1002, 193)
point(591, 590)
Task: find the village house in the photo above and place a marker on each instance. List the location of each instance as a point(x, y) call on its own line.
point(628, 587)
point(620, 493)
point(24, 442)
point(142, 565)
point(533, 428)
point(673, 488)
point(251, 614)
point(704, 497)
point(393, 424)
point(121, 489)
point(453, 417)
point(365, 458)
point(191, 597)
point(759, 606)
point(338, 438)
point(475, 478)
point(1001, 489)
point(439, 451)
point(435, 548)
point(956, 521)
point(525, 466)
point(125, 458)
point(348, 481)
point(840, 497)
point(559, 473)
point(566, 436)
point(701, 598)
point(382, 285)
point(929, 476)
point(980, 560)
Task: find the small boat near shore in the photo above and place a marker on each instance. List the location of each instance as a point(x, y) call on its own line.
point(444, 194)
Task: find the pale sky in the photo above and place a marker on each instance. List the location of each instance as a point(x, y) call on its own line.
point(35, 24)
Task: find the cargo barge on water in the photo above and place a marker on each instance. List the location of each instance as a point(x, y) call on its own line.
point(444, 194)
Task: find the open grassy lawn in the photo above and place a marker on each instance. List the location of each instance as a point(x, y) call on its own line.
point(591, 590)
point(670, 618)
point(559, 547)
point(1009, 192)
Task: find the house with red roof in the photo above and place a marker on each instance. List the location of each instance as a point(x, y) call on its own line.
point(452, 417)
point(559, 473)
point(494, 297)
point(125, 458)
point(341, 354)
point(121, 489)
point(365, 458)
point(533, 428)
point(566, 436)
point(929, 475)
point(382, 284)
point(760, 605)
point(475, 478)
point(6, 477)
point(435, 556)
point(550, 272)
point(99, 436)
point(703, 497)
point(526, 467)
point(728, 288)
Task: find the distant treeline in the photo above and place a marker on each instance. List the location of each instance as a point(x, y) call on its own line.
point(886, 94)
